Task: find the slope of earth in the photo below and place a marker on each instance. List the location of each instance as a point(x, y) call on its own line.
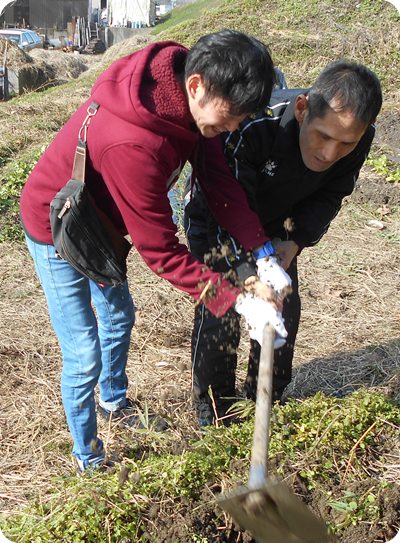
point(348, 339)
point(348, 343)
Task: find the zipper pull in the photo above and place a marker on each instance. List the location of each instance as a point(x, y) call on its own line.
point(64, 208)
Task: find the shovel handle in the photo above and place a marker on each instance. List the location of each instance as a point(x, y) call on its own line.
point(259, 455)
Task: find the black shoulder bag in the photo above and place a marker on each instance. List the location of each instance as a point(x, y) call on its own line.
point(82, 234)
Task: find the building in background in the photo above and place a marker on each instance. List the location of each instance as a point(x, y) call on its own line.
point(44, 13)
point(58, 13)
point(131, 13)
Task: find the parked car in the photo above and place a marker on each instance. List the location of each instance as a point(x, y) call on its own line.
point(25, 39)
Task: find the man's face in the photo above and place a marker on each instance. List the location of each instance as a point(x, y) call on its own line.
point(326, 140)
point(212, 117)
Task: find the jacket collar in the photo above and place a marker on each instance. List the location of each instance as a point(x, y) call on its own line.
point(286, 144)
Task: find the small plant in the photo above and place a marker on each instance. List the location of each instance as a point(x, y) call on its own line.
point(12, 186)
point(10, 192)
point(383, 166)
point(176, 196)
point(355, 509)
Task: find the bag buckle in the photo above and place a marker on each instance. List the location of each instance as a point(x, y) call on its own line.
point(91, 112)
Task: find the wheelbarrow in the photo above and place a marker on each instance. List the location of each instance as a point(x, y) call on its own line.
point(266, 507)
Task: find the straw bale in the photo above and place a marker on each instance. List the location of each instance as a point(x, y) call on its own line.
point(41, 69)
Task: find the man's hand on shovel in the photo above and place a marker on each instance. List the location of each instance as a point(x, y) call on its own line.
point(258, 314)
point(272, 274)
point(257, 311)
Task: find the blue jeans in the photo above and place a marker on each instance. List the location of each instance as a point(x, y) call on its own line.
point(94, 349)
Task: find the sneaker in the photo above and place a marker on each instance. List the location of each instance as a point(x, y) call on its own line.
point(205, 421)
point(204, 412)
point(96, 465)
point(128, 416)
point(206, 415)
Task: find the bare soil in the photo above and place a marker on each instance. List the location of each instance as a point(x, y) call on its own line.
point(349, 337)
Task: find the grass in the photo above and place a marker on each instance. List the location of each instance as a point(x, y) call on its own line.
point(322, 445)
point(184, 14)
point(106, 508)
point(305, 36)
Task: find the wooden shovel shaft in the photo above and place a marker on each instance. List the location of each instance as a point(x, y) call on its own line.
point(259, 456)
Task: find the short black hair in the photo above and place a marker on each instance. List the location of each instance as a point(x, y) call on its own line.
point(352, 86)
point(235, 67)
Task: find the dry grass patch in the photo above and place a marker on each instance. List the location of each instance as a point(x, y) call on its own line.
point(61, 66)
point(350, 283)
point(348, 338)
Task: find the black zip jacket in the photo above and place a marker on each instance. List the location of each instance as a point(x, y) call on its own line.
point(264, 155)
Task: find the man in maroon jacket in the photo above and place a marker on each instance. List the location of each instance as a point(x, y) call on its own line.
point(158, 108)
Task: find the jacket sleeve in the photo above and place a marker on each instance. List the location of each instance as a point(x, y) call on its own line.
point(227, 200)
point(313, 215)
point(141, 197)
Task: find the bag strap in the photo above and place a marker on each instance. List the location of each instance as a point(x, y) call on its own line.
point(121, 245)
point(78, 171)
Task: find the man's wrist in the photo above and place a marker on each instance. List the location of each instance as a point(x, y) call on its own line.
point(266, 250)
point(239, 299)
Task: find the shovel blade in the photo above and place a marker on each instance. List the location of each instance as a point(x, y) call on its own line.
point(279, 518)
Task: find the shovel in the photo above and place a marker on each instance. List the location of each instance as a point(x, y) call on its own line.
point(267, 508)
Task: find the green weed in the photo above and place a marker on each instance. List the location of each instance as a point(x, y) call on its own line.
point(101, 509)
point(10, 192)
point(383, 166)
point(11, 187)
point(356, 509)
point(325, 424)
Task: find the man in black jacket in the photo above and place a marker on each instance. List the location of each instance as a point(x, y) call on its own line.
point(296, 161)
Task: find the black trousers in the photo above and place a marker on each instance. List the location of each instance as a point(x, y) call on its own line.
point(215, 340)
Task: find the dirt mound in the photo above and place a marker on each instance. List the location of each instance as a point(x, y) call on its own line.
point(60, 66)
point(63, 65)
point(126, 47)
point(51, 65)
point(121, 49)
point(16, 58)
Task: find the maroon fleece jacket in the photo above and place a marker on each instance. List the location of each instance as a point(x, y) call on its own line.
point(138, 142)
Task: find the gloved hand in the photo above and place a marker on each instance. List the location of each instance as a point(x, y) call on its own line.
point(258, 313)
point(269, 271)
point(273, 275)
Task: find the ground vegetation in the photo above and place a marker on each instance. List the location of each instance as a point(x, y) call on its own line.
point(335, 442)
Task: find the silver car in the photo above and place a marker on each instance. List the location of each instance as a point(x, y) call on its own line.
point(25, 39)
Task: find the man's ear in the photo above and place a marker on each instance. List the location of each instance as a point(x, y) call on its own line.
point(193, 83)
point(301, 108)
